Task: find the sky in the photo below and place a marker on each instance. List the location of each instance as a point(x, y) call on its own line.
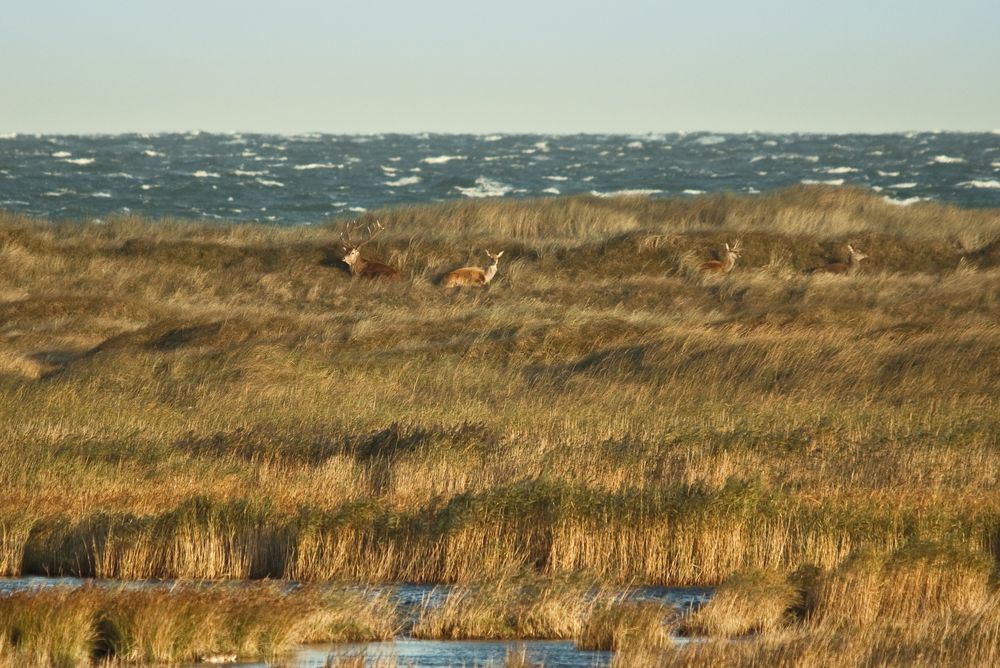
point(556, 66)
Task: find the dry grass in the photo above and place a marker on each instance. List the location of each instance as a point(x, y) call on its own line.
point(156, 626)
point(189, 400)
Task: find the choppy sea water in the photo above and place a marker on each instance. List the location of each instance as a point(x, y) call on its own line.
point(301, 179)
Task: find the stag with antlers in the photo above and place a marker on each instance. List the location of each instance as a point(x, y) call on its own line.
point(360, 266)
point(726, 264)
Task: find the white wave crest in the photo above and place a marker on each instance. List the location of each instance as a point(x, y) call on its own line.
point(710, 140)
point(693, 191)
point(841, 170)
point(61, 154)
point(492, 137)
point(359, 209)
point(79, 161)
point(542, 146)
point(202, 174)
point(634, 144)
point(318, 165)
point(102, 194)
point(556, 178)
point(980, 183)
point(442, 159)
point(485, 188)
point(946, 160)
point(8, 135)
point(825, 182)
point(903, 186)
point(152, 154)
point(270, 184)
point(551, 191)
point(904, 202)
point(881, 173)
point(628, 192)
point(147, 186)
point(250, 172)
point(405, 181)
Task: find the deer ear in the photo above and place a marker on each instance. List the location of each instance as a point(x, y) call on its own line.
point(850, 249)
point(500, 253)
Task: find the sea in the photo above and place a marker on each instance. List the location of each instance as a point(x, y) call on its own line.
point(310, 178)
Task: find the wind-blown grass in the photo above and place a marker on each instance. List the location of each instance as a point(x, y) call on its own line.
point(214, 401)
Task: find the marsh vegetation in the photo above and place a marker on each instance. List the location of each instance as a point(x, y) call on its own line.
point(208, 401)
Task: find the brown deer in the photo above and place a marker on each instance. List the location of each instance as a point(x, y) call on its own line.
point(472, 275)
point(725, 265)
point(854, 258)
point(359, 265)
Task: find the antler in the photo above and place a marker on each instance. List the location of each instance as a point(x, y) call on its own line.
point(345, 236)
point(378, 229)
point(736, 246)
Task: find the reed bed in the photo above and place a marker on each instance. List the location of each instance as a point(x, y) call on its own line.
point(222, 401)
point(188, 623)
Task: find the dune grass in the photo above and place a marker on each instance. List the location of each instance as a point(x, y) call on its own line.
point(223, 401)
point(188, 623)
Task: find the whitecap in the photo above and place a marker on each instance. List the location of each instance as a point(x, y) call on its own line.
point(757, 158)
point(551, 191)
point(359, 209)
point(995, 165)
point(556, 178)
point(492, 137)
point(542, 146)
point(152, 154)
point(692, 191)
point(876, 153)
point(946, 160)
point(841, 170)
point(710, 140)
point(903, 186)
point(8, 135)
point(318, 165)
point(388, 170)
point(147, 186)
point(628, 192)
point(442, 159)
point(395, 158)
point(980, 183)
point(485, 188)
point(634, 144)
point(270, 184)
point(825, 182)
point(881, 173)
point(250, 172)
point(79, 161)
point(903, 202)
point(61, 154)
point(405, 181)
point(202, 174)
point(102, 194)
point(122, 175)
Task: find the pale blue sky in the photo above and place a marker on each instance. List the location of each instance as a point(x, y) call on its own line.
point(514, 66)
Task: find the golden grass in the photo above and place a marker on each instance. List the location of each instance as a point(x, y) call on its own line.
point(64, 627)
point(199, 401)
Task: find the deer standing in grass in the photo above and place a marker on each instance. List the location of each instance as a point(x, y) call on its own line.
point(854, 258)
point(472, 275)
point(726, 264)
point(359, 265)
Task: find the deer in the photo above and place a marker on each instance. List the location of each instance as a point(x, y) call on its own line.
point(372, 269)
point(472, 275)
point(854, 258)
point(725, 265)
